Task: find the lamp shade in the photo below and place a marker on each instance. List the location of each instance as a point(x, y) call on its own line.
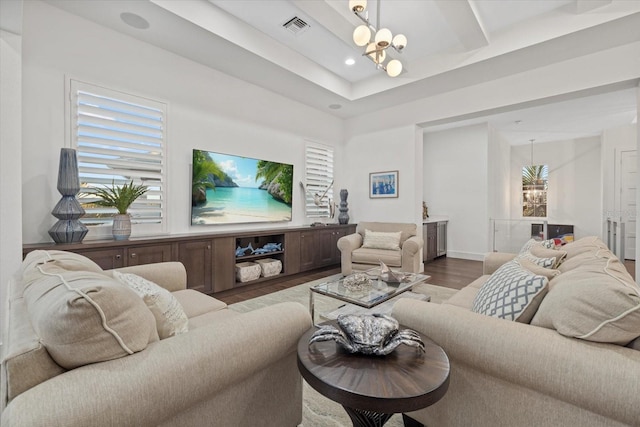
point(357, 5)
point(378, 55)
point(399, 41)
point(394, 68)
point(383, 37)
point(361, 35)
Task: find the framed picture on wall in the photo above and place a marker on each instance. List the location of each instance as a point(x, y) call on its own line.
point(383, 184)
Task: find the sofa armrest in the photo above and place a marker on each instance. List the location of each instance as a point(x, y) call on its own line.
point(170, 376)
point(348, 244)
point(588, 375)
point(411, 254)
point(493, 261)
point(170, 275)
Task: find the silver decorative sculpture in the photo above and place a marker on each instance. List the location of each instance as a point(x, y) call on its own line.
point(375, 334)
point(68, 229)
point(389, 276)
point(357, 282)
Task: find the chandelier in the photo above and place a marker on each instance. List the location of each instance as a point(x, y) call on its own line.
point(377, 41)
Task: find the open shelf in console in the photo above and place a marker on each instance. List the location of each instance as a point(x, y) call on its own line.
point(250, 249)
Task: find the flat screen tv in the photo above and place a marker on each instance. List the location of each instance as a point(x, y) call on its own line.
point(227, 189)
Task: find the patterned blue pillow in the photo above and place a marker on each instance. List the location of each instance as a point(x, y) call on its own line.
point(511, 293)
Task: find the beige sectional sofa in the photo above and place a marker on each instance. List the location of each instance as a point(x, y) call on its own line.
point(577, 363)
point(396, 244)
point(83, 349)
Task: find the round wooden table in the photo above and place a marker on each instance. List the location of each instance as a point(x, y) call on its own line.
point(373, 388)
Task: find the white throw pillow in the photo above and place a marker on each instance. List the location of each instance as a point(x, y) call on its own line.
point(511, 293)
point(170, 316)
point(381, 240)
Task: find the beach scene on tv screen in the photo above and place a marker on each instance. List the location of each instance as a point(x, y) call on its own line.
point(228, 189)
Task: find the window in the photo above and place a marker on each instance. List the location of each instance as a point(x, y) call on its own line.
point(319, 181)
point(535, 180)
point(119, 138)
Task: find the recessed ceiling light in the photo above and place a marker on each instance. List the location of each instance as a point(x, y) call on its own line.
point(135, 21)
point(350, 61)
point(335, 106)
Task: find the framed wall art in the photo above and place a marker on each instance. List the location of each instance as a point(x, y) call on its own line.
point(383, 184)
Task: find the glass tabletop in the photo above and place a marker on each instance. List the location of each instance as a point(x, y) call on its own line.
point(356, 289)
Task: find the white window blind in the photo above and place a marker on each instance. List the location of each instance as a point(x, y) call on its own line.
point(319, 180)
point(120, 138)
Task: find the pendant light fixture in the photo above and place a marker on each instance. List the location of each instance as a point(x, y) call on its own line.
point(377, 40)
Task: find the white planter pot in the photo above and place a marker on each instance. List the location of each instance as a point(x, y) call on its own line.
point(121, 226)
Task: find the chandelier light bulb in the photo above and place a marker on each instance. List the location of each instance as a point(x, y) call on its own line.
point(383, 37)
point(357, 5)
point(394, 68)
point(361, 35)
point(399, 41)
point(378, 56)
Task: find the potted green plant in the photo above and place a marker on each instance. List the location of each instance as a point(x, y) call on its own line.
point(120, 198)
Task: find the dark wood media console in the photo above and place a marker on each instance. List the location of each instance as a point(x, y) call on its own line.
point(210, 259)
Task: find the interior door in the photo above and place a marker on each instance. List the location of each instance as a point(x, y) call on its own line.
point(628, 172)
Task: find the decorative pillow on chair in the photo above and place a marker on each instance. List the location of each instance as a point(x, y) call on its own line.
point(511, 293)
point(170, 316)
point(381, 240)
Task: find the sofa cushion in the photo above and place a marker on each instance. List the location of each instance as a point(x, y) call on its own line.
point(542, 252)
point(84, 317)
point(374, 256)
point(511, 293)
point(196, 303)
point(597, 301)
point(465, 297)
point(538, 270)
point(381, 240)
point(26, 361)
point(586, 244)
point(170, 316)
point(549, 262)
point(68, 261)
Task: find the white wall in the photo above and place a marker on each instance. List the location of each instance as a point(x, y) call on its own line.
point(499, 172)
point(456, 185)
point(10, 164)
point(388, 150)
point(575, 182)
point(207, 110)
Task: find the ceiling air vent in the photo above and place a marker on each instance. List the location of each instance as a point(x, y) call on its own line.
point(296, 25)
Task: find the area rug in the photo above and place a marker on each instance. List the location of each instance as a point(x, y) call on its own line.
point(317, 410)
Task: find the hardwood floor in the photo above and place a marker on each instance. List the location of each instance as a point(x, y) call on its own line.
point(452, 272)
point(448, 272)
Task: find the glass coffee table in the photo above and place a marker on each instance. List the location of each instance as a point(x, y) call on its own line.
point(367, 296)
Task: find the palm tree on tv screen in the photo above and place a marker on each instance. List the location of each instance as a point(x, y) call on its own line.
point(279, 173)
point(203, 168)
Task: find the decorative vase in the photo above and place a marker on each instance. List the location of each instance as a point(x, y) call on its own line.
point(121, 226)
point(68, 210)
point(343, 217)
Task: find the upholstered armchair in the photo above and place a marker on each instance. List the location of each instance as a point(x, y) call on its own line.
point(396, 244)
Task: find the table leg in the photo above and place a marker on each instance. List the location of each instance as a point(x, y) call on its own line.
point(361, 418)
point(312, 308)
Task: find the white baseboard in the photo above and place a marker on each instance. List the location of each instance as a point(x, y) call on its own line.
point(465, 255)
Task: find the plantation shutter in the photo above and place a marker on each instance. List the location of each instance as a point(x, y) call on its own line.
point(119, 138)
point(319, 179)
